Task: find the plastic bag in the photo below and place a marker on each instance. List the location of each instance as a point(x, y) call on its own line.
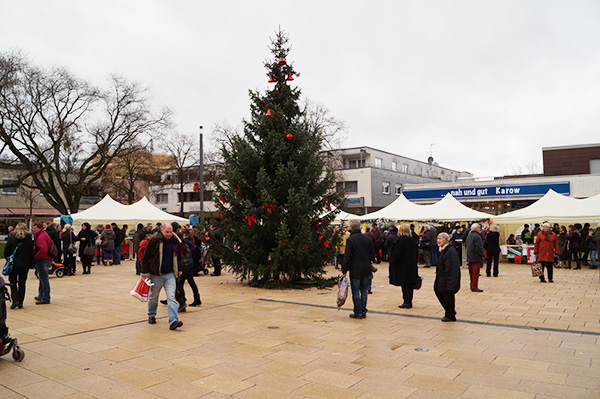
point(342, 293)
point(142, 289)
point(536, 270)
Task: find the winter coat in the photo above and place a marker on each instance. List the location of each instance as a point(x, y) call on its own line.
point(389, 243)
point(563, 242)
point(187, 261)
point(377, 237)
point(119, 236)
point(54, 236)
point(24, 257)
point(110, 238)
point(66, 238)
point(425, 240)
point(492, 243)
point(153, 254)
point(447, 271)
point(138, 236)
point(90, 237)
point(545, 248)
point(404, 254)
point(474, 247)
point(574, 240)
point(359, 252)
point(584, 242)
point(591, 242)
point(434, 234)
point(42, 243)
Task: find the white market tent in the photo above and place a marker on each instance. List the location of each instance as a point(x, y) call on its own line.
point(447, 209)
point(555, 208)
point(341, 216)
point(108, 210)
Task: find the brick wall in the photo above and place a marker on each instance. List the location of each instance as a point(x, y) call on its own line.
point(569, 161)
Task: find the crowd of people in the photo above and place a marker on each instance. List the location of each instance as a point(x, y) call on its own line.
point(442, 247)
point(50, 246)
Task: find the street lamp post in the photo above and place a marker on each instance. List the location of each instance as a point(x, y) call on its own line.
point(201, 179)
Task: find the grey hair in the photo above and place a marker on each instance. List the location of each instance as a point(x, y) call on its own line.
point(474, 226)
point(494, 227)
point(355, 224)
point(445, 236)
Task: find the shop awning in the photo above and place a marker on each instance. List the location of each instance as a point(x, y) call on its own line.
point(5, 211)
point(34, 211)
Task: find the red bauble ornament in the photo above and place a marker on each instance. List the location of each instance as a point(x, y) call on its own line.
point(289, 136)
point(282, 61)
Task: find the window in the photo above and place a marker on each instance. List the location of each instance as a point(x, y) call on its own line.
point(385, 187)
point(394, 166)
point(398, 190)
point(162, 198)
point(9, 190)
point(594, 166)
point(349, 186)
point(356, 163)
point(404, 168)
point(378, 162)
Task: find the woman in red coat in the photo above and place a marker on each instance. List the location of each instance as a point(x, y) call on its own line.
point(546, 246)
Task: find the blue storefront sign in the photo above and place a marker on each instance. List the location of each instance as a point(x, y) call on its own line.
point(355, 201)
point(500, 191)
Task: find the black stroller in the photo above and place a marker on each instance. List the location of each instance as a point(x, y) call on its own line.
point(8, 343)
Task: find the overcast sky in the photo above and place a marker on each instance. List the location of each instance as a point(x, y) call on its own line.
point(488, 82)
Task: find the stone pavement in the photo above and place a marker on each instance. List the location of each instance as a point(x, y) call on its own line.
point(518, 339)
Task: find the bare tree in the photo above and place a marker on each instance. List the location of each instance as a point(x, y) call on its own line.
point(531, 167)
point(130, 171)
point(66, 132)
point(184, 151)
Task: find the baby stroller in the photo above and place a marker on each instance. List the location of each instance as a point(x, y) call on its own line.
point(8, 343)
point(202, 260)
point(56, 268)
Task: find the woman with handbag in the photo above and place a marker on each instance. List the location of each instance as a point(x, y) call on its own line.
point(107, 244)
point(86, 238)
point(404, 255)
point(69, 249)
point(546, 246)
point(19, 242)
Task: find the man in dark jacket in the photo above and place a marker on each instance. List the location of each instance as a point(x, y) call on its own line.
point(357, 260)
point(162, 262)
point(120, 234)
point(377, 242)
point(138, 236)
point(433, 248)
point(52, 231)
point(447, 277)
point(474, 245)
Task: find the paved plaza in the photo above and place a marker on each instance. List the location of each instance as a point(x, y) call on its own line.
point(518, 339)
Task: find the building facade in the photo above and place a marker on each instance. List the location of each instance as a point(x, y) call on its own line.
point(372, 179)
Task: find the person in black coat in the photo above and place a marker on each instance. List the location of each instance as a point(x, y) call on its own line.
point(86, 237)
point(119, 237)
point(67, 237)
point(23, 261)
point(404, 255)
point(492, 246)
point(357, 259)
point(447, 277)
point(52, 231)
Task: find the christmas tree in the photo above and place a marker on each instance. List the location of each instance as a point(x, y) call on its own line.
point(276, 199)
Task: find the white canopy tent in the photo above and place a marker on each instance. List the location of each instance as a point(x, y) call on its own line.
point(341, 216)
point(108, 210)
point(447, 209)
point(555, 208)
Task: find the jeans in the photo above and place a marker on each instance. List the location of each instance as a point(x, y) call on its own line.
point(42, 266)
point(108, 254)
point(360, 292)
point(18, 278)
point(117, 255)
point(433, 253)
point(99, 254)
point(168, 281)
point(593, 254)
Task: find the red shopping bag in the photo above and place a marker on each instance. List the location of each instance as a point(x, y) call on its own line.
point(142, 289)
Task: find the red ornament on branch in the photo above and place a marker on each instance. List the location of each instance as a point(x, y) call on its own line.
point(251, 219)
point(290, 77)
point(222, 199)
point(271, 80)
point(268, 207)
point(196, 187)
point(269, 112)
point(289, 137)
point(327, 244)
point(238, 189)
point(282, 61)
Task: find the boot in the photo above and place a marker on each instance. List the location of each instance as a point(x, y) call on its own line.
point(559, 265)
point(197, 301)
point(182, 307)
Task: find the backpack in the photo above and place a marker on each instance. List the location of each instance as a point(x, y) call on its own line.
point(143, 244)
point(52, 250)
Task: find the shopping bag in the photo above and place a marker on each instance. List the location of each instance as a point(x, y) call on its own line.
point(536, 270)
point(342, 293)
point(142, 289)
